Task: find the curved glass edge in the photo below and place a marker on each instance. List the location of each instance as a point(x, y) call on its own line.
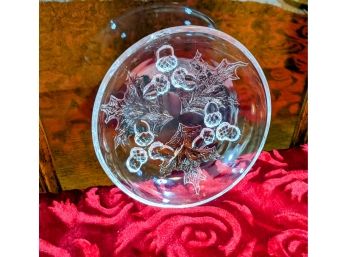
point(123, 57)
point(169, 7)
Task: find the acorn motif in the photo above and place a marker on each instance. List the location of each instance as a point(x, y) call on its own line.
point(206, 137)
point(136, 159)
point(159, 85)
point(212, 115)
point(166, 63)
point(228, 132)
point(181, 78)
point(143, 135)
point(158, 151)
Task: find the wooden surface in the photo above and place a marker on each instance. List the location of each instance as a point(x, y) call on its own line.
point(300, 135)
point(48, 179)
point(76, 51)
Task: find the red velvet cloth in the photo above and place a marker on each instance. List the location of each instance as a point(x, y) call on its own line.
point(264, 215)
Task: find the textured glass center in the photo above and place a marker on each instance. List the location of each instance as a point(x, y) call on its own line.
point(179, 117)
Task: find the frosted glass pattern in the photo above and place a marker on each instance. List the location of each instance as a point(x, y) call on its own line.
point(200, 89)
point(181, 116)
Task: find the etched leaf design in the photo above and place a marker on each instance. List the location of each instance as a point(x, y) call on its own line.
point(210, 87)
point(111, 109)
point(226, 70)
point(203, 84)
point(194, 177)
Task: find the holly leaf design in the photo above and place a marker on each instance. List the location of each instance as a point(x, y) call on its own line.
point(194, 177)
point(210, 84)
point(208, 88)
point(167, 167)
point(200, 98)
point(120, 138)
point(111, 109)
point(133, 108)
point(186, 158)
point(226, 70)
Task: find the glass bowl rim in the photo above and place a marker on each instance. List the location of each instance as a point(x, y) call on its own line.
point(167, 7)
point(136, 46)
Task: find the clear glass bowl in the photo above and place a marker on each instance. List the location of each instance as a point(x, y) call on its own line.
point(122, 32)
point(181, 116)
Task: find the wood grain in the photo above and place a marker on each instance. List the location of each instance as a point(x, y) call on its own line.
point(48, 179)
point(300, 135)
point(77, 48)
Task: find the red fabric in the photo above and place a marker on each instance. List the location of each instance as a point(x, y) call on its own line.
point(264, 215)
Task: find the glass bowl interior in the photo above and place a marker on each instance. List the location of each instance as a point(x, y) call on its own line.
point(121, 33)
point(244, 107)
